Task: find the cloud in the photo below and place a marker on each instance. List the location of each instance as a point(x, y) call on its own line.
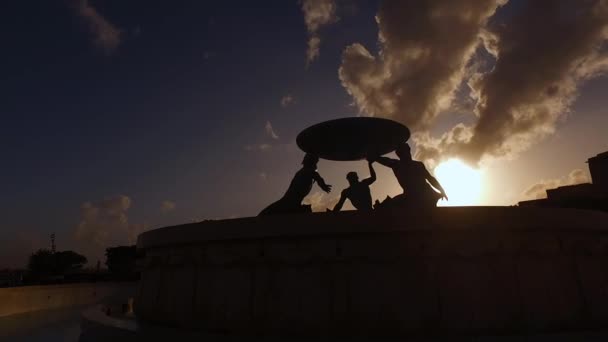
point(167, 206)
point(105, 223)
point(317, 14)
point(270, 131)
point(321, 201)
point(539, 189)
point(106, 35)
point(258, 147)
point(287, 100)
point(519, 74)
point(534, 81)
point(312, 53)
point(424, 49)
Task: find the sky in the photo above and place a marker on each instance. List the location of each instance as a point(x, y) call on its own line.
point(123, 116)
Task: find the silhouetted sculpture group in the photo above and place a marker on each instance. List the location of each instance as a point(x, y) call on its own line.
point(421, 189)
point(300, 186)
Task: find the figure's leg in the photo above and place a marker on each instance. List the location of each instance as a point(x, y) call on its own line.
point(430, 200)
point(400, 201)
point(275, 208)
point(305, 208)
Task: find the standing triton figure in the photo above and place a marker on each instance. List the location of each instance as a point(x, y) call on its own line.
point(301, 184)
point(358, 192)
point(412, 175)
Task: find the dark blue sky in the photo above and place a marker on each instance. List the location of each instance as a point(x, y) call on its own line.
point(169, 113)
point(166, 116)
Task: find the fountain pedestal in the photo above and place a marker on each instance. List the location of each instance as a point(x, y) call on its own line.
point(446, 271)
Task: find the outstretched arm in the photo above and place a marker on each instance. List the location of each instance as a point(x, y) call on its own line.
point(435, 183)
point(325, 187)
point(340, 203)
point(372, 173)
point(388, 162)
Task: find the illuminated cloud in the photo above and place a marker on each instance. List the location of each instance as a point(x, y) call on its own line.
point(534, 81)
point(317, 13)
point(106, 36)
point(312, 53)
point(428, 50)
point(105, 223)
point(270, 131)
point(287, 100)
point(258, 147)
point(424, 49)
point(539, 189)
point(167, 206)
point(321, 201)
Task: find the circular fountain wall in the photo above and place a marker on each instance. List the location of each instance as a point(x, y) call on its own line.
point(469, 270)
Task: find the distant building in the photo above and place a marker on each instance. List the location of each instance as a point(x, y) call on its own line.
point(598, 166)
point(592, 195)
point(10, 278)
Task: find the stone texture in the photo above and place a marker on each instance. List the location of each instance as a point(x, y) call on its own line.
point(549, 291)
point(455, 272)
point(27, 299)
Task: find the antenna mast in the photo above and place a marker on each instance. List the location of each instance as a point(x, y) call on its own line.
point(53, 243)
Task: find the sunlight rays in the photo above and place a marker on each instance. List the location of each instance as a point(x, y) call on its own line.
point(461, 182)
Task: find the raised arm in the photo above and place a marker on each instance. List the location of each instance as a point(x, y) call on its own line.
point(340, 203)
point(372, 174)
point(435, 183)
point(325, 187)
point(388, 162)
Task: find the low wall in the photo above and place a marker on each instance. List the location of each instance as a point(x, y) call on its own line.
point(17, 300)
point(470, 271)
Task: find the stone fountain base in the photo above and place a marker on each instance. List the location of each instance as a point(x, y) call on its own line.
point(471, 271)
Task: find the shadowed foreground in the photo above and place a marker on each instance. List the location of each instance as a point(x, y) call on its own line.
point(470, 271)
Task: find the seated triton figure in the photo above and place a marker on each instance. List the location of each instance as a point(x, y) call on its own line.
point(414, 178)
point(358, 191)
point(300, 186)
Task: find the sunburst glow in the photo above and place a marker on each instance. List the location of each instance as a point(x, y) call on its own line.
point(462, 183)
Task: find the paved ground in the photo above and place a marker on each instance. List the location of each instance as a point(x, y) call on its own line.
point(48, 326)
point(64, 326)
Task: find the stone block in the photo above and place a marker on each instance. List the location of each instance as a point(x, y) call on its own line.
point(232, 252)
point(466, 243)
point(593, 273)
point(182, 294)
point(223, 299)
point(533, 243)
point(299, 250)
point(300, 301)
point(185, 256)
point(163, 303)
point(549, 291)
point(145, 305)
point(385, 246)
point(260, 296)
point(387, 299)
point(478, 294)
point(584, 244)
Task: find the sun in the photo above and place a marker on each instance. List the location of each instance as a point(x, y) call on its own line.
point(461, 183)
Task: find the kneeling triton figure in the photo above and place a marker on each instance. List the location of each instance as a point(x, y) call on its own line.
point(414, 178)
point(301, 184)
point(358, 192)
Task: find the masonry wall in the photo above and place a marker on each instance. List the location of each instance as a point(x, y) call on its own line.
point(506, 271)
point(17, 300)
